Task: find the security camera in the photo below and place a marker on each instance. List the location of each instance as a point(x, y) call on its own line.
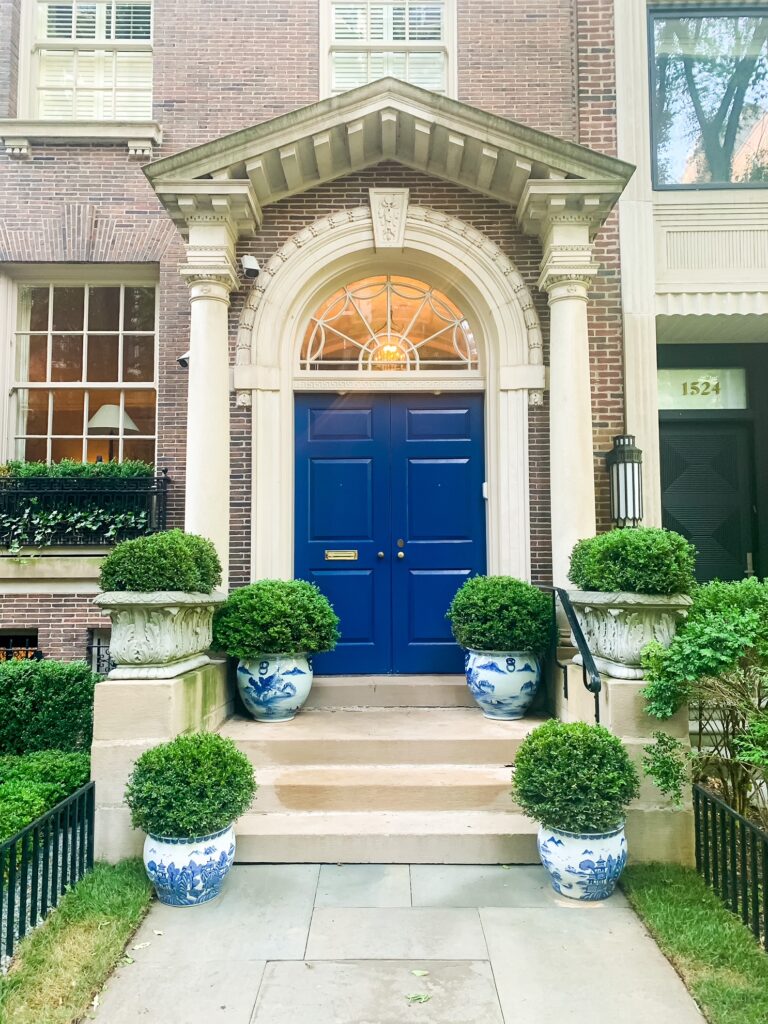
point(183, 361)
point(251, 266)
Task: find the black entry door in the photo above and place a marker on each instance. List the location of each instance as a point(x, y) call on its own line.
point(706, 482)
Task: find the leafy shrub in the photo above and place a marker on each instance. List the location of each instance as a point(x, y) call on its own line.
point(752, 744)
point(29, 525)
point(66, 771)
point(20, 803)
point(727, 627)
point(69, 468)
point(45, 705)
point(643, 560)
point(192, 786)
point(669, 762)
point(172, 560)
point(500, 613)
point(574, 777)
point(275, 617)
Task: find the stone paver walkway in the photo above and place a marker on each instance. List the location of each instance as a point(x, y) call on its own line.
point(354, 944)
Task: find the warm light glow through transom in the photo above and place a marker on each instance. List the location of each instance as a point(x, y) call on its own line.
point(388, 323)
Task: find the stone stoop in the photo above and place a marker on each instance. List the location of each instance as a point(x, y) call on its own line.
point(379, 778)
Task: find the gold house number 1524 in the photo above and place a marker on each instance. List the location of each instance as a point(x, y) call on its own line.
point(701, 387)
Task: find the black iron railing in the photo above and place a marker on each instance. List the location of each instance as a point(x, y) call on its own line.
point(589, 672)
point(45, 511)
point(26, 653)
point(40, 862)
point(732, 855)
point(99, 657)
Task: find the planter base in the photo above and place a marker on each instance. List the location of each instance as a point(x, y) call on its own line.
point(583, 866)
point(273, 687)
point(503, 683)
point(176, 668)
point(612, 668)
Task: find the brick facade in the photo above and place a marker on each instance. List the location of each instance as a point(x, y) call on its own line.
point(545, 63)
point(62, 621)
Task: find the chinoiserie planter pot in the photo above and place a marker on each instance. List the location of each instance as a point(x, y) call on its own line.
point(160, 634)
point(188, 872)
point(275, 686)
point(618, 626)
point(583, 866)
point(503, 683)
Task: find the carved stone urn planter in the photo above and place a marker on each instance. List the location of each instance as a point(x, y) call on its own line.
point(618, 626)
point(160, 634)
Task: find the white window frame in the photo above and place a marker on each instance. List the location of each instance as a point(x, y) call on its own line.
point(29, 67)
point(327, 45)
point(74, 276)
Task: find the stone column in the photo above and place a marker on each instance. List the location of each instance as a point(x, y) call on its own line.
point(211, 276)
point(566, 275)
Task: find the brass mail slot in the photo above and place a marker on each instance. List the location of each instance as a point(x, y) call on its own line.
point(341, 556)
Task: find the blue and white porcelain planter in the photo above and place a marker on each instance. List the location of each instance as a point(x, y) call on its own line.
point(583, 866)
point(188, 872)
point(503, 683)
point(275, 686)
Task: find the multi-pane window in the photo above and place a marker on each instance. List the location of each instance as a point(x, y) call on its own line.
point(371, 40)
point(93, 60)
point(710, 95)
point(85, 380)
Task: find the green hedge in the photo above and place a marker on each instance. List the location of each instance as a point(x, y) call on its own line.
point(45, 705)
point(31, 784)
point(275, 617)
point(192, 786)
point(69, 468)
point(501, 613)
point(643, 560)
point(172, 560)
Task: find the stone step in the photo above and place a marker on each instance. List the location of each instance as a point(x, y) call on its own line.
point(375, 787)
point(436, 691)
point(380, 736)
point(381, 837)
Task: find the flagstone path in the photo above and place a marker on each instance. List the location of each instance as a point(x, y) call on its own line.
point(393, 944)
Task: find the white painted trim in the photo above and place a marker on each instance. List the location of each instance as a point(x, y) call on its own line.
point(477, 276)
point(135, 275)
point(713, 303)
point(8, 298)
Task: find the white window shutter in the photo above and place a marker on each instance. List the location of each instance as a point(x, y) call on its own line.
point(56, 79)
point(133, 87)
point(427, 70)
point(350, 69)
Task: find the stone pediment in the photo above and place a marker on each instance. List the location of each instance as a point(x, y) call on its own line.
point(535, 173)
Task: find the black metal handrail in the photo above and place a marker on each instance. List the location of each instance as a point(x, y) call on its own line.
point(44, 511)
point(589, 672)
point(39, 863)
point(732, 855)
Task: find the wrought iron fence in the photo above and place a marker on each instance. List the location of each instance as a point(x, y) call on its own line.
point(40, 862)
point(44, 511)
point(732, 855)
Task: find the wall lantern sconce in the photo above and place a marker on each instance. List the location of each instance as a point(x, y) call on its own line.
point(625, 465)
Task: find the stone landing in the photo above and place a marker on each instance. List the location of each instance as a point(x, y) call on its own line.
point(384, 770)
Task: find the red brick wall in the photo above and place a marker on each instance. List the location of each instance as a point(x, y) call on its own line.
point(597, 129)
point(10, 11)
point(516, 59)
point(62, 621)
point(547, 63)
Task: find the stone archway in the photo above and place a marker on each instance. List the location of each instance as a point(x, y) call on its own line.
point(453, 255)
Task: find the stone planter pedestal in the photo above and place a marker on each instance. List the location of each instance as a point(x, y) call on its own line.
point(158, 635)
point(618, 626)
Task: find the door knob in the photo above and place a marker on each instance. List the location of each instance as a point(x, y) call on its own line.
point(379, 554)
point(401, 554)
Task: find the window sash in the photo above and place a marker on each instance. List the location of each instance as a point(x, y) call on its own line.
point(99, 77)
point(85, 392)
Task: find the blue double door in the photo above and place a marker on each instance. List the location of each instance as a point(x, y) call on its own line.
point(390, 521)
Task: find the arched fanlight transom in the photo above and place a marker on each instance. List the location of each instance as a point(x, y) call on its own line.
point(388, 323)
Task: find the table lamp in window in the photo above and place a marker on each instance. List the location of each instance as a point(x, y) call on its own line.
point(111, 422)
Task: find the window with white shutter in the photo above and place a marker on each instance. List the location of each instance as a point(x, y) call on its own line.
point(93, 61)
point(403, 39)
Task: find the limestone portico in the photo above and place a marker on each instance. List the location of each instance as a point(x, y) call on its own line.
point(558, 192)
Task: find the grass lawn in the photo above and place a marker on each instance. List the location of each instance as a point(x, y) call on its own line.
point(722, 965)
point(63, 963)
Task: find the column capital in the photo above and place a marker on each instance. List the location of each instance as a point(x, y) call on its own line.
point(211, 280)
point(567, 271)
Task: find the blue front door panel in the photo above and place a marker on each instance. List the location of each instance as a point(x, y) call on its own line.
point(380, 477)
